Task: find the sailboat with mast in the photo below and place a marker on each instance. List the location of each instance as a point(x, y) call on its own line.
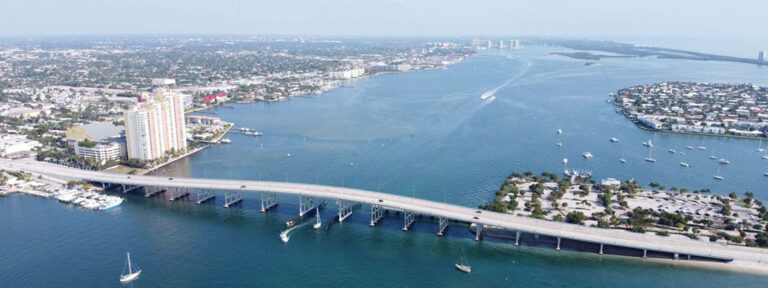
point(318, 223)
point(717, 176)
point(132, 275)
point(650, 155)
point(622, 159)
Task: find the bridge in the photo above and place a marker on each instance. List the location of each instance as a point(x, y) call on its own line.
point(647, 244)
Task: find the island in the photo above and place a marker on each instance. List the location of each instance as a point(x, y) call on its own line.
point(614, 204)
point(718, 109)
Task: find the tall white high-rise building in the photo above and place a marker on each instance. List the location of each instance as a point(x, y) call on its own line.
point(156, 125)
point(501, 44)
point(761, 56)
point(490, 44)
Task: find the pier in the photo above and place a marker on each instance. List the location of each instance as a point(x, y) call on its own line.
point(487, 224)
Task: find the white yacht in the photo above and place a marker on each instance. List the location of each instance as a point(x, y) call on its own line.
point(559, 144)
point(724, 161)
point(686, 165)
point(132, 275)
point(559, 131)
point(587, 155)
point(225, 140)
point(672, 151)
point(614, 139)
point(689, 147)
point(702, 148)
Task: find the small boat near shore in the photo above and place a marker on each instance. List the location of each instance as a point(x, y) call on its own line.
point(225, 140)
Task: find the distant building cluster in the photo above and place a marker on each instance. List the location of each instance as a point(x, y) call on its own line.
point(502, 44)
point(155, 126)
point(735, 109)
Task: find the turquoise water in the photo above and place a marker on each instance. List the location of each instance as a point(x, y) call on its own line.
point(427, 134)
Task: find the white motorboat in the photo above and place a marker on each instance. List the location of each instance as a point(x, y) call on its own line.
point(724, 161)
point(689, 147)
point(614, 139)
point(225, 140)
point(686, 165)
point(702, 148)
point(587, 155)
point(132, 275)
point(672, 151)
point(559, 131)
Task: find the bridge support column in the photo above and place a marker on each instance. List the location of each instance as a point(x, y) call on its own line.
point(645, 253)
point(443, 224)
point(345, 209)
point(558, 244)
point(232, 198)
point(517, 238)
point(601, 249)
point(305, 205)
point(677, 256)
point(689, 256)
point(479, 232)
point(179, 193)
point(377, 212)
point(204, 195)
point(268, 200)
point(408, 219)
point(149, 191)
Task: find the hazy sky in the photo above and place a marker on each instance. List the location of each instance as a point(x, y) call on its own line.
point(670, 18)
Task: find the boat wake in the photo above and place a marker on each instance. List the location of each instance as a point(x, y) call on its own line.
point(285, 235)
point(492, 92)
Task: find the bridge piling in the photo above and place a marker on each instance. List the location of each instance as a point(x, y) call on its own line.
point(601, 249)
point(345, 209)
point(558, 244)
point(517, 238)
point(377, 212)
point(408, 218)
point(232, 198)
point(479, 232)
point(204, 195)
point(268, 200)
point(305, 205)
point(443, 225)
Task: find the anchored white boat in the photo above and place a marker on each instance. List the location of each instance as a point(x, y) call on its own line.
point(614, 139)
point(132, 275)
point(717, 176)
point(724, 161)
point(225, 140)
point(648, 144)
point(689, 147)
point(587, 155)
point(672, 151)
point(650, 156)
point(686, 165)
point(702, 148)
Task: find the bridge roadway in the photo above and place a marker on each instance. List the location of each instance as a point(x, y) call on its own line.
point(736, 255)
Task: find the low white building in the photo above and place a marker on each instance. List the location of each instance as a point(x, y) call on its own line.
point(11, 144)
point(101, 151)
